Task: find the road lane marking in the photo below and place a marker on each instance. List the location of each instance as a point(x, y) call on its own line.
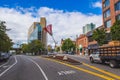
point(4, 63)
point(9, 67)
point(6, 66)
point(81, 69)
point(66, 72)
point(100, 70)
point(39, 68)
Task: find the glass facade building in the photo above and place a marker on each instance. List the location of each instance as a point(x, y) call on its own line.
point(88, 27)
point(117, 6)
point(106, 3)
point(106, 13)
point(36, 33)
point(108, 23)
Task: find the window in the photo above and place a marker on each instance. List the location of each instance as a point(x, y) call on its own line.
point(106, 3)
point(106, 13)
point(118, 17)
point(108, 23)
point(117, 6)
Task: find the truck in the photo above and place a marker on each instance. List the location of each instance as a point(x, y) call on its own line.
point(110, 55)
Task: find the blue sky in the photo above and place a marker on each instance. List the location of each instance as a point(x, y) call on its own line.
point(67, 16)
point(84, 6)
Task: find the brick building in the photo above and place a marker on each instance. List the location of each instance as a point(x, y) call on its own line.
point(82, 43)
point(111, 12)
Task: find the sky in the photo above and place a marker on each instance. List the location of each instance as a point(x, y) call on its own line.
point(67, 17)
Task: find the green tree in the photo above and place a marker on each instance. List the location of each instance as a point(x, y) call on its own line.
point(68, 45)
point(57, 48)
point(99, 35)
point(5, 41)
point(49, 48)
point(2, 30)
point(36, 46)
point(25, 48)
point(115, 31)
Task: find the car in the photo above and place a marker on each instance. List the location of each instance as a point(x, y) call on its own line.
point(71, 52)
point(52, 53)
point(4, 56)
point(95, 57)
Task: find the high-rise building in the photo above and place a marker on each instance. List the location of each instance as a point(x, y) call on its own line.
point(88, 27)
point(37, 32)
point(111, 12)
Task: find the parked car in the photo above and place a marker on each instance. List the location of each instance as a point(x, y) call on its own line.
point(52, 53)
point(4, 56)
point(71, 52)
point(95, 57)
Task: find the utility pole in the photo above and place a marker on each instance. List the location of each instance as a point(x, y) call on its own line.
point(54, 41)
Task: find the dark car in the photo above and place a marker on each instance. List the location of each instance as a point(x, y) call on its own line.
point(71, 52)
point(4, 56)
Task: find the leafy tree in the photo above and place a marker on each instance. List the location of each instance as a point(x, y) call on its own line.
point(2, 27)
point(115, 31)
point(5, 41)
point(36, 46)
point(68, 45)
point(57, 48)
point(99, 35)
point(49, 48)
point(2, 30)
point(25, 48)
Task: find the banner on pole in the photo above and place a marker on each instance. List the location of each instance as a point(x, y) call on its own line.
point(49, 29)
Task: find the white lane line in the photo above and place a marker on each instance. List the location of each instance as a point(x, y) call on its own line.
point(66, 72)
point(4, 63)
point(6, 66)
point(9, 67)
point(39, 68)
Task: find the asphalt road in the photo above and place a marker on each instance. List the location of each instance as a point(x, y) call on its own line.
point(22, 67)
point(104, 67)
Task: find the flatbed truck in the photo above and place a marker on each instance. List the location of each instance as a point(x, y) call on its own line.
point(109, 54)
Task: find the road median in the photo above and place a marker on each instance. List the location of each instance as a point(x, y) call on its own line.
point(77, 68)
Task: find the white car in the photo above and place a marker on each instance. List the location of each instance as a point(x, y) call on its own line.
point(95, 57)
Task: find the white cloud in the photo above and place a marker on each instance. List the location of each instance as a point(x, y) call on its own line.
point(17, 22)
point(97, 5)
point(65, 24)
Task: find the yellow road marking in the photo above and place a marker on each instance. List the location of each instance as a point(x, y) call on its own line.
point(100, 70)
point(84, 70)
